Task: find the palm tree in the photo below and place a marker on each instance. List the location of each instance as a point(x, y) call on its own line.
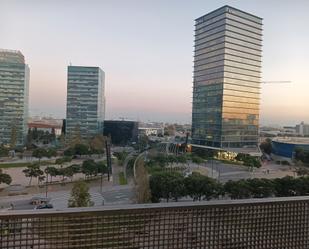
point(33, 170)
point(52, 171)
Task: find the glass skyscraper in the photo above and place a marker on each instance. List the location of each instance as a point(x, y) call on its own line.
point(226, 79)
point(14, 95)
point(85, 102)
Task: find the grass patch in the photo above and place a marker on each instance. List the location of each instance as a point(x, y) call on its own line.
point(13, 165)
point(230, 162)
point(21, 165)
point(122, 179)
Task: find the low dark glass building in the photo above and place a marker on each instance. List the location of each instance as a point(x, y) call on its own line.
point(121, 132)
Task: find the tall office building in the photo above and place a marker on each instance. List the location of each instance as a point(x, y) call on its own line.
point(226, 81)
point(85, 102)
point(14, 95)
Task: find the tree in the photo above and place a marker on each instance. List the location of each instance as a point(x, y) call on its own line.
point(142, 183)
point(89, 167)
point(51, 153)
point(302, 155)
point(4, 151)
point(39, 153)
point(69, 152)
point(61, 161)
point(52, 171)
point(35, 134)
point(33, 170)
point(29, 139)
point(76, 137)
point(169, 130)
point(261, 188)
point(102, 167)
point(204, 153)
point(81, 149)
point(67, 172)
point(13, 135)
point(97, 144)
point(196, 159)
point(80, 196)
point(5, 178)
point(166, 185)
point(76, 168)
point(199, 186)
point(285, 186)
point(266, 146)
point(237, 189)
point(248, 160)
point(121, 156)
point(302, 171)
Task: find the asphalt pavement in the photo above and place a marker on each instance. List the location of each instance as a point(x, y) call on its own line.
point(110, 195)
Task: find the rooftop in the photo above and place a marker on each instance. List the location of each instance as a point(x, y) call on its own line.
point(11, 56)
point(292, 140)
point(227, 8)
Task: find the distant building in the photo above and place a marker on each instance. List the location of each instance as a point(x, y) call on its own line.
point(14, 95)
point(49, 125)
point(283, 148)
point(85, 102)
point(302, 129)
point(226, 80)
point(151, 131)
point(288, 131)
point(121, 132)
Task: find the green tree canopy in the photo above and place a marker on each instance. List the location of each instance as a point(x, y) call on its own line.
point(166, 185)
point(33, 170)
point(102, 167)
point(237, 189)
point(5, 178)
point(97, 144)
point(52, 171)
point(89, 167)
point(80, 196)
point(81, 149)
point(266, 146)
point(202, 187)
point(39, 153)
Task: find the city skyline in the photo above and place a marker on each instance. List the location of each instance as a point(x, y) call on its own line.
point(145, 63)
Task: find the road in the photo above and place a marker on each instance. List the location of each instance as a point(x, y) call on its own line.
point(111, 195)
point(225, 172)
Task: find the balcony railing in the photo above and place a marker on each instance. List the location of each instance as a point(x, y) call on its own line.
point(275, 223)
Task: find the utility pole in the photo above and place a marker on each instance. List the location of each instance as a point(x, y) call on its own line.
point(108, 157)
point(46, 186)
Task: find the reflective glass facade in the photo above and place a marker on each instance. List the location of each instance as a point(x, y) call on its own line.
point(14, 95)
point(85, 102)
point(226, 79)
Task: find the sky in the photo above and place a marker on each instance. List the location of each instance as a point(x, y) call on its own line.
point(146, 50)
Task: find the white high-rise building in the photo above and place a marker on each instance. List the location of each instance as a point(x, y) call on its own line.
point(85, 101)
point(14, 95)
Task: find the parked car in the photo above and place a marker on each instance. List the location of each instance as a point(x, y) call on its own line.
point(45, 206)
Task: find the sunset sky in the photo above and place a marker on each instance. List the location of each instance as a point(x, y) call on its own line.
point(146, 50)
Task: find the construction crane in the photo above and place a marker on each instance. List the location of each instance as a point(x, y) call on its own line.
point(277, 82)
